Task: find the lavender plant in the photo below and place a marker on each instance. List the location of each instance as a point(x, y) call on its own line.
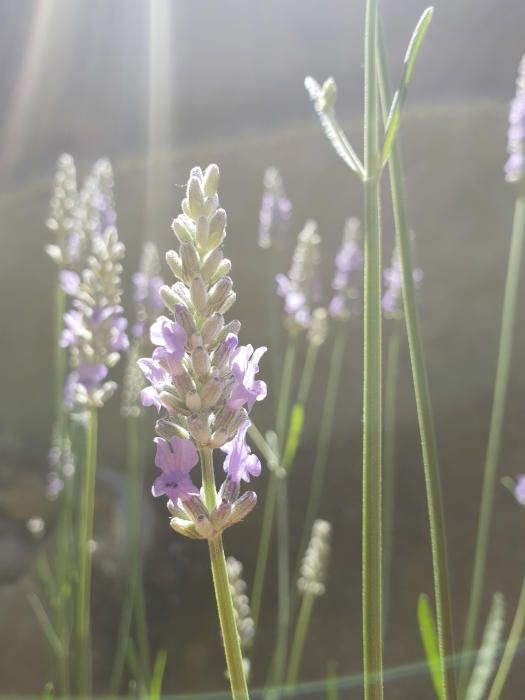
point(204, 385)
point(276, 208)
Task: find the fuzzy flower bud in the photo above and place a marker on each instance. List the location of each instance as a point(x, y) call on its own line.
point(315, 561)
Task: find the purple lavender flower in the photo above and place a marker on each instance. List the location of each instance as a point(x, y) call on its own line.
point(240, 464)
point(515, 165)
point(301, 289)
point(244, 365)
point(394, 285)
point(146, 290)
point(276, 209)
point(348, 272)
point(519, 489)
point(201, 382)
point(175, 459)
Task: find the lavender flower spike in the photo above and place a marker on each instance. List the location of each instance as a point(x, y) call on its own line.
point(348, 273)
point(274, 215)
point(515, 165)
point(301, 289)
point(519, 489)
point(201, 382)
point(392, 304)
point(94, 327)
point(146, 286)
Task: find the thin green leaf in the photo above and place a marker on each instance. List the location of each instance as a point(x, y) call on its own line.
point(323, 99)
point(294, 434)
point(393, 120)
point(488, 653)
point(45, 623)
point(427, 629)
point(158, 674)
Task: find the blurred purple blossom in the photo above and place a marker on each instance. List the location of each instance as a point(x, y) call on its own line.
point(348, 272)
point(519, 489)
point(276, 209)
point(393, 279)
point(515, 165)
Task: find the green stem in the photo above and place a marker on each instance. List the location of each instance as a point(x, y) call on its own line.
point(305, 383)
point(423, 404)
point(230, 636)
point(389, 463)
point(271, 494)
point(495, 431)
point(372, 408)
point(134, 599)
point(301, 628)
point(64, 527)
point(283, 582)
point(85, 532)
point(510, 648)
point(325, 436)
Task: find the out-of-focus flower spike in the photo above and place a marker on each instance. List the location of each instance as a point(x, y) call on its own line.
point(348, 277)
point(241, 604)
point(515, 165)
point(276, 209)
point(315, 561)
point(392, 298)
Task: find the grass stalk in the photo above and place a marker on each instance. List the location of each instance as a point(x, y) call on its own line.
point(423, 403)
point(495, 432)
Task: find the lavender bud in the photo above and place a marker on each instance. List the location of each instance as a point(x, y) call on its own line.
point(222, 352)
point(222, 270)
point(237, 419)
point(175, 510)
point(229, 490)
point(169, 297)
point(200, 361)
point(186, 528)
point(170, 401)
point(211, 180)
point(228, 302)
point(211, 263)
point(212, 327)
point(217, 226)
point(193, 401)
point(243, 506)
point(198, 427)
point(204, 527)
point(221, 515)
point(219, 292)
point(219, 438)
point(182, 230)
point(183, 383)
point(174, 263)
point(169, 429)
point(195, 197)
point(190, 260)
point(211, 392)
point(202, 231)
point(319, 327)
point(195, 508)
point(210, 205)
point(184, 319)
point(199, 295)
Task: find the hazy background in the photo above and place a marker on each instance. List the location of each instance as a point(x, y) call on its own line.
point(160, 86)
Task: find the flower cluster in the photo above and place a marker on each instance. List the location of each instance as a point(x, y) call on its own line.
point(146, 287)
point(94, 327)
point(202, 381)
point(315, 562)
point(393, 278)
point(276, 208)
point(301, 289)
point(348, 272)
point(515, 165)
point(63, 215)
point(241, 605)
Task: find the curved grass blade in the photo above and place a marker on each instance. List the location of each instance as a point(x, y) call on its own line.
point(393, 120)
point(294, 434)
point(427, 628)
point(323, 99)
